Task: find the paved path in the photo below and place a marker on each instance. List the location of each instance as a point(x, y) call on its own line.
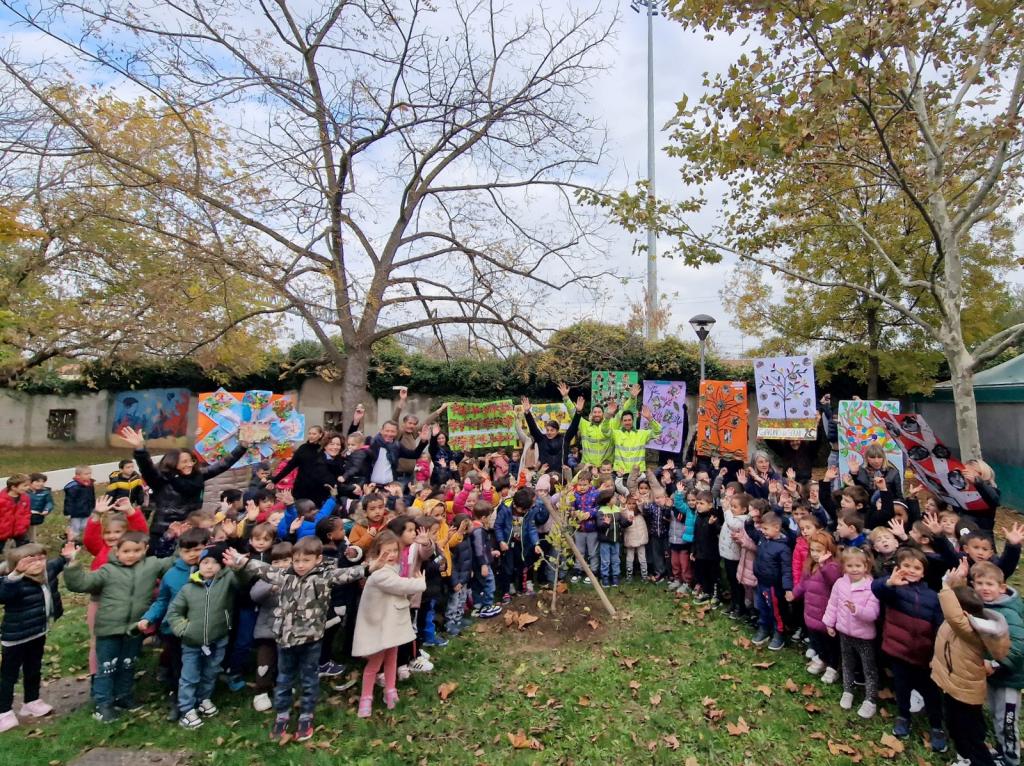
point(57, 479)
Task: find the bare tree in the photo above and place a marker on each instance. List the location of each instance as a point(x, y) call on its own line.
point(391, 165)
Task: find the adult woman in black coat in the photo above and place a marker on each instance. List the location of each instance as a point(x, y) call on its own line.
point(302, 462)
point(177, 483)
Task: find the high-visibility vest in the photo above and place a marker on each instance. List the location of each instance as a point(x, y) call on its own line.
point(630, 448)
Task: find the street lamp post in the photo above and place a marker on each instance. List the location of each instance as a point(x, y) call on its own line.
point(702, 324)
point(650, 8)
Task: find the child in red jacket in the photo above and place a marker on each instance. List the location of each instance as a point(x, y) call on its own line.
point(15, 510)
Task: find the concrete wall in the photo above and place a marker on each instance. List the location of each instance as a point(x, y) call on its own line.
point(23, 418)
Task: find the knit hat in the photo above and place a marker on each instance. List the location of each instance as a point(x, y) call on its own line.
point(216, 551)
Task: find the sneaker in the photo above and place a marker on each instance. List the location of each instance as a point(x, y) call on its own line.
point(304, 730)
point(916, 702)
point(452, 629)
point(390, 698)
point(830, 676)
point(435, 641)
point(344, 686)
point(106, 714)
point(190, 720)
point(732, 613)
point(234, 681)
point(421, 665)
point(574, 579)
point(961, 761)
point(810, 654)
point(615, 584)
point(901, 729)
point(586, 581)
point(529, 589)
point(939, 742)
point(207, 708)
point(606, 583)
point(365, 707)
point(280, 727)
point(423, 653)
point(846, 701)
point(506, 599)
point(867, 709)
point(36, 709)
point(403, 674)
point(684, 589)
point(761, 637)
point(703, 598)
point(126, 705)
point(8, 721)
point(816, 666)
point(673, 584)
point(778, 642)
point(331, 669)
point(173, 713)
point(261, 703)
point(490, 611)
point(798, 635)
point(715, 601)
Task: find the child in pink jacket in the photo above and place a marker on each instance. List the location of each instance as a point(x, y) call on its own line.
point(851, 612)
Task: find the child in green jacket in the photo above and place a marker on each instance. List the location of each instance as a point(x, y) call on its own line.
point(200, 615)
point(125, 587)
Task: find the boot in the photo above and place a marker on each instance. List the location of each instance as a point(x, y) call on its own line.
point(173, 714)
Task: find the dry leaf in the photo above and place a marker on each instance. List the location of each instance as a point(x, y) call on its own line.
point(594, 624)
point(531, 690)
point(791, 686)
point(520, 741)
point(634, 685)
point(525, 619)
point(810, 707)
point(765, 690)
point(655, 700)
point(886, 694)
point(584, 701)
point(738, 728)
point(763, 665)
point(285, 738)
point(561, 588)
point(671, 741)
point(743, 642)
point(840, 748)
point(652, 745)
point(691, 761)
point(629, 662)
point(816, 735)
point(714, 714)
point(892, 743)
point(511, 615)
point(709, 702)
point(445, 690)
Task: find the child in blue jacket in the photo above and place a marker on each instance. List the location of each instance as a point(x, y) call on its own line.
point(307, 511)
point(773, 568)
point(515, 527)
point(680, 538)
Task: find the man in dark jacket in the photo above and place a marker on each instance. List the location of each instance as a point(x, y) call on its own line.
point(385, 450)
point(552, 446)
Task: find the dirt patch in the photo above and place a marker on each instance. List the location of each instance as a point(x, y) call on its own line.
point(65, 694)
point(528, 625)
point(111, 756)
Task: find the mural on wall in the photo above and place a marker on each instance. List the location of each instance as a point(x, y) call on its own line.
point(267, 421)
point(160, 413)
point(722, 419)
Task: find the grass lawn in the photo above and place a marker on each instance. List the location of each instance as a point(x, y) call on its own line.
point(29, 459)
point(665, 683)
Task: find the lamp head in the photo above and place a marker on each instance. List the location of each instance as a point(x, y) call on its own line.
point(702, 324)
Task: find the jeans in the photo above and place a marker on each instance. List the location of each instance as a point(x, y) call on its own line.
point(483, 589)
point(587, 544)
point(299, 664)
point(425, 629)
point(25, 659)
point(610, 555)
point(241, 644)
point(1003, 702)
point(456, 607)
point(199, 673)
point(766, 599)
point(115, 676)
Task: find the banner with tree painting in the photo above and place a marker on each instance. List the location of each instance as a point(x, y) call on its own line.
point(608, 385)
point(722, 420)
point(481, 425)
point(785, 398)
point(667, 400)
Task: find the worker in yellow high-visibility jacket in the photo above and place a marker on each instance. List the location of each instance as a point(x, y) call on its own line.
point(596, 432)
point(630, 443)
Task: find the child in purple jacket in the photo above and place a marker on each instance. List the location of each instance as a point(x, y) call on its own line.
point(820, 572)
point(852, 611)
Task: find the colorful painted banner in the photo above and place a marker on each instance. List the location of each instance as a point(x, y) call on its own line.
point(931, 460)
point(667, 400)
point(481, 425)
point(544, 412)
point(858, 429)
point(606, 385)
point(785, 398)
point(160, 413)
point(268, 421)
point(722, 420)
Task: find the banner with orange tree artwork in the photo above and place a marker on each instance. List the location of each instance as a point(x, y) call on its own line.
point(481, 425)
point(722, 419)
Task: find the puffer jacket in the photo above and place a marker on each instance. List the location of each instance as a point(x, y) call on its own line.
point(635, 534)
point(15, 515)
point(1010, 673)
point(170, 585)
point(815, 589)
point(462, 562)
point(680, 528)
point(264, 595)
point(611, 525)
point(705, 536)
point(301, 611)
point(801, 550)
point(586, 503)
point(175, 496)
point(859, 624)
point(658, 518)
point(773, 564)
point(727, 547)
point(961, 645)
point(912, 617)
point(124, 592)
point(200, 614)
point(25, 603)
point(41, 504)
point(507, 523)
point(79, 499)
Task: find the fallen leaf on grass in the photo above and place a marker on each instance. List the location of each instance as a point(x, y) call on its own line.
point(634, 685)
point(738, 728)
point(886, 694)
point(765, 690)
point(285, 738)
point(561, 588)
point(525, 619)
point(445, 690)
point(584, 701)
point(652, 745)
point(810, 707)
point(727, 677)
point(840, 748)
point(671, 741)
point(629, 662)
point(520, 741)
point(655, 700)
point(709, 702)
point(763, 665)
point(743, 642)
point(891, 746)
point(691, 761)
point(531, 690)
point(791, 686)
point(817, 735)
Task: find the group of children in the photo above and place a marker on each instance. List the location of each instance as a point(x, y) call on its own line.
point(283, 593)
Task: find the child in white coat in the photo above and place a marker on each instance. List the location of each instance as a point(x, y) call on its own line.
point(383, 622)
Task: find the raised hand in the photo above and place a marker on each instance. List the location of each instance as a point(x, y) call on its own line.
point(791, 474)
point(563, 390)
point(931, 520)
point(526, 403)
point(716, 461)
point(134, 438)
point(896, 526)
point(103, 504)
point(580, 402)
point(853, 463)
point(252, 511)
point(880, 484)
point(831, 473)
point(285, 496)
point(436, 429)
point(294, 527)
point(612, 407)
point(634, 390)
point(741, 475)
point(403, 394)
point(424, 432)
point(645, 412)
point(1015, 534)
point(773, 487)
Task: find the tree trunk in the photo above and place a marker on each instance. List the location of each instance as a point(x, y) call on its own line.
point(873, 342)
point(353, 382)
point(964, 406)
